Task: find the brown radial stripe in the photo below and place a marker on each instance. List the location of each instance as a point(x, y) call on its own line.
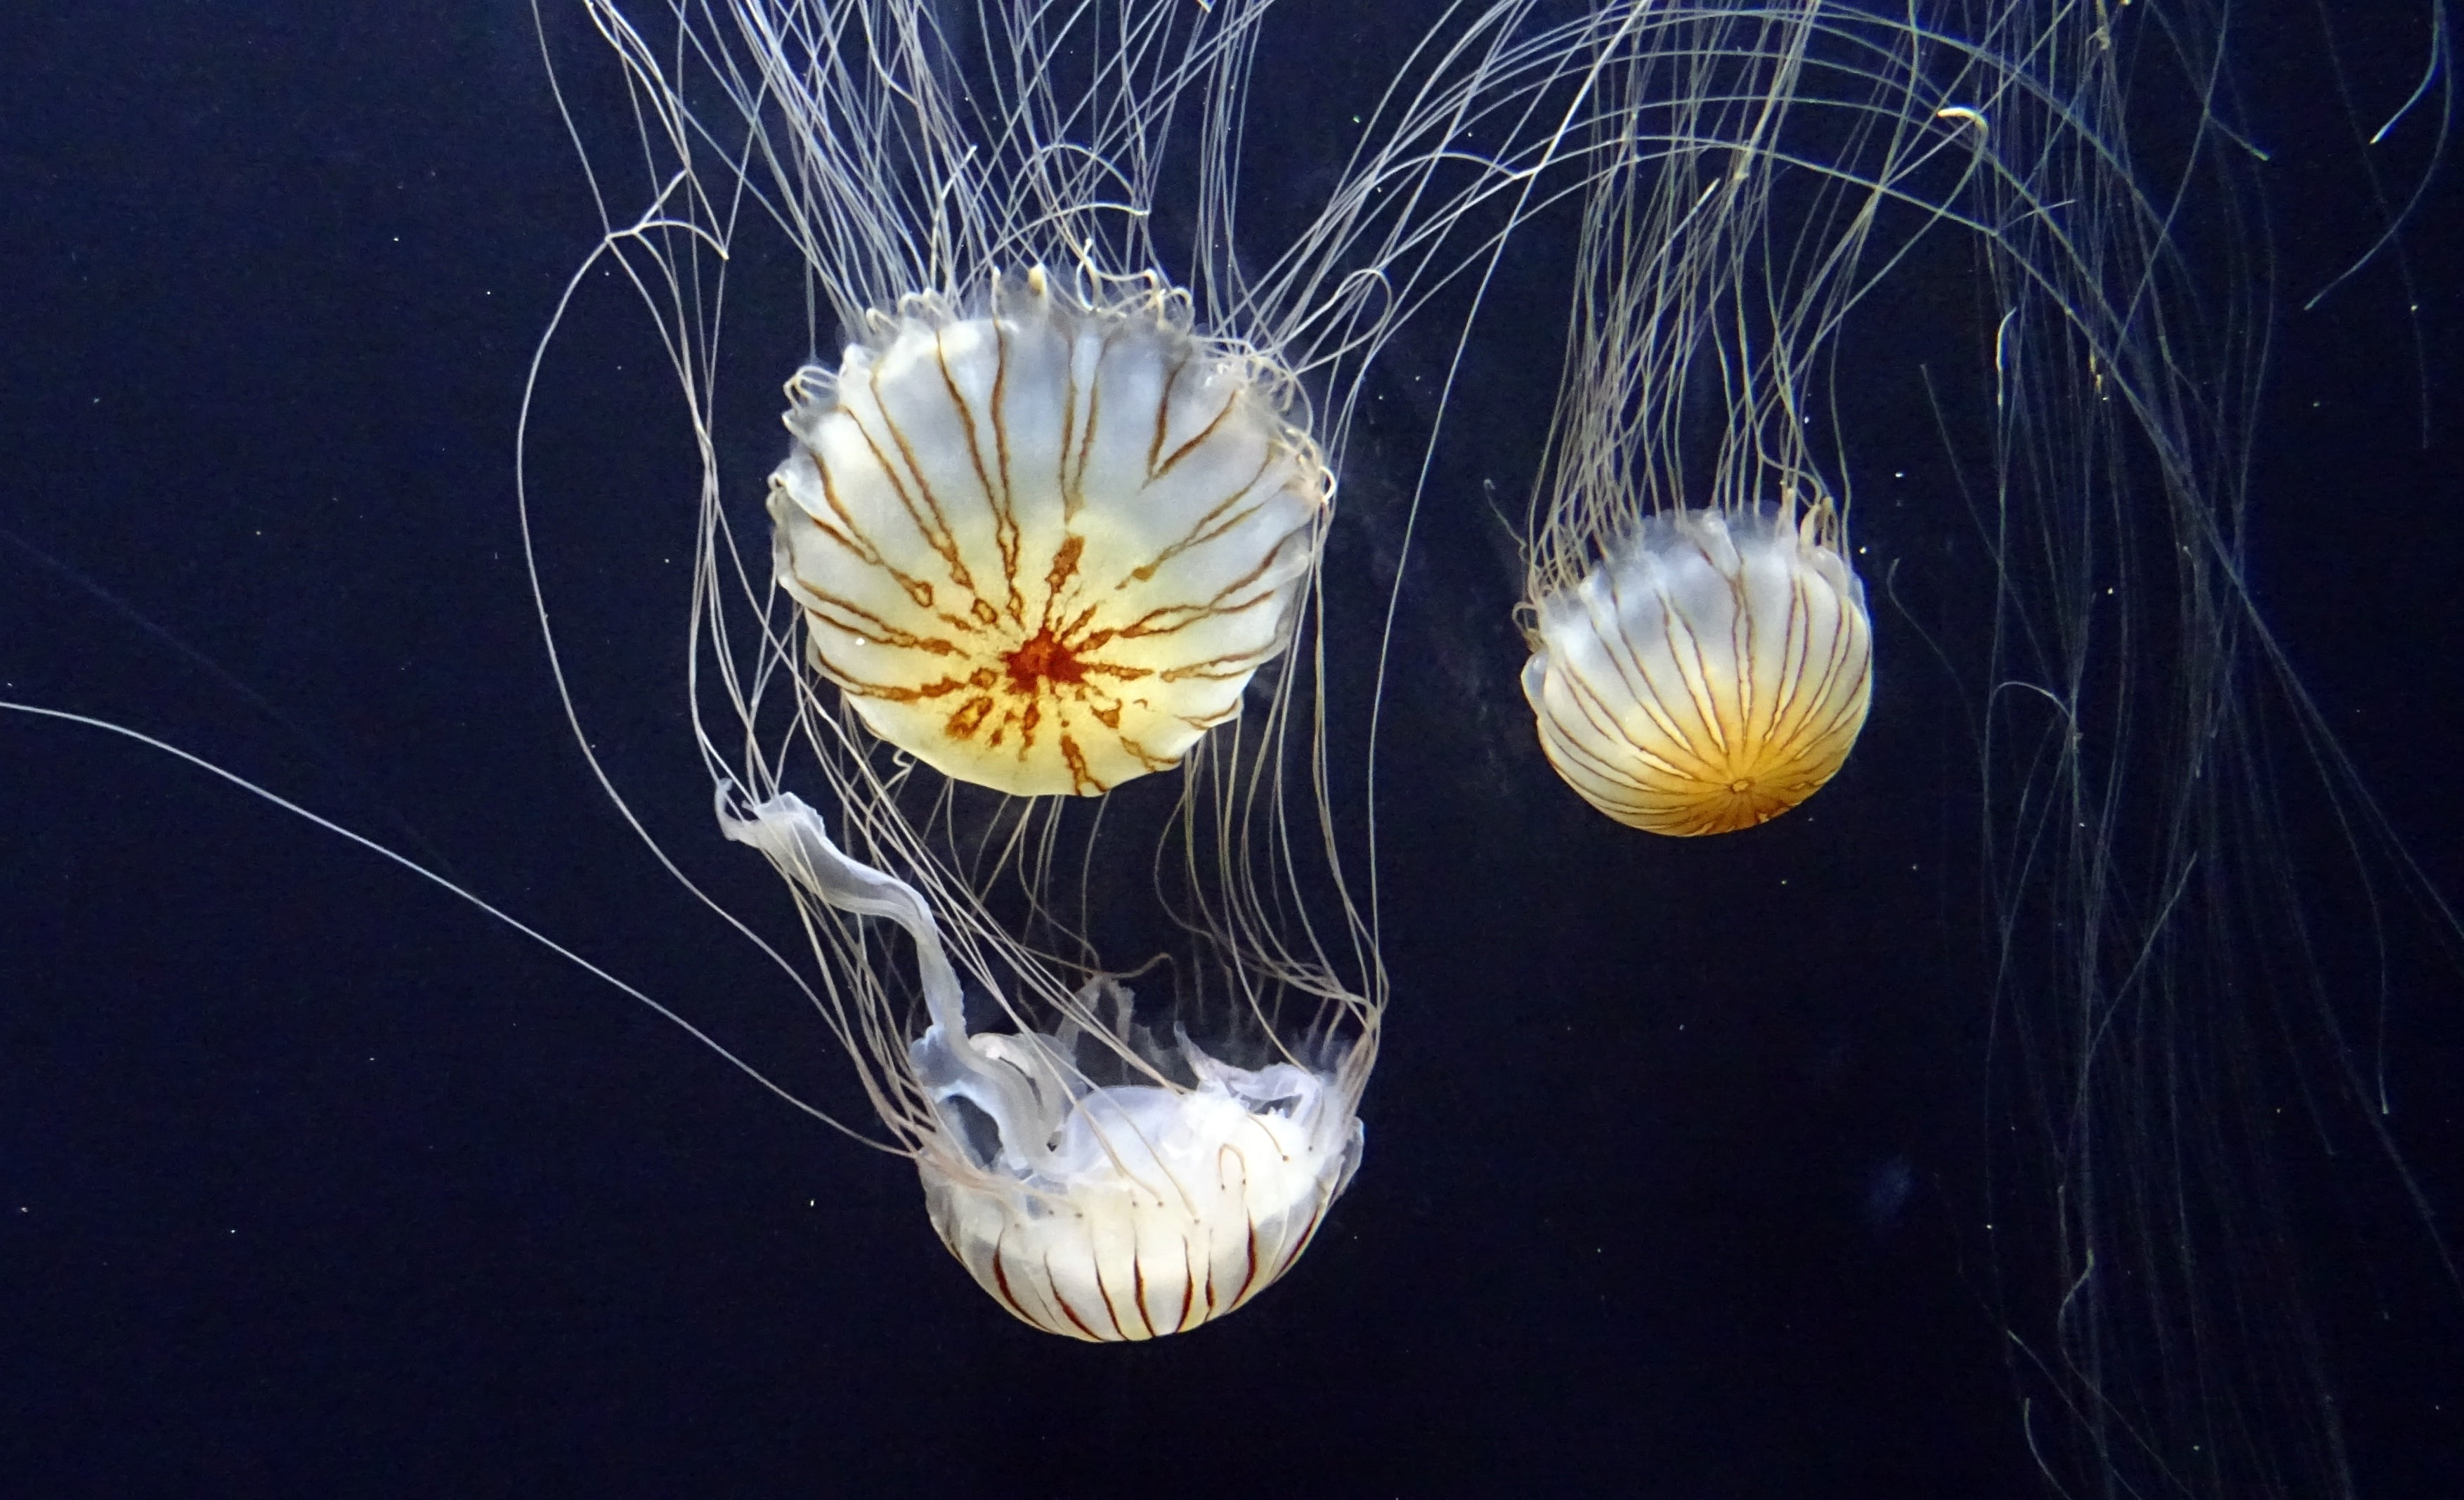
point(1073, 489)
point(1139, 1288)
point(938, 534)
point(1081, 780)
point(890, 471)
point(1157, 472)
point(1188, 1286)
point(1211, 526)
point(1053, 1285)
point(1000, 1284)
point(853, 535)
point(1317, 1216)
point(1105, 1293)
point(1163, 412)
point(1249, 1278)
point(868, 624)
point(968, 717)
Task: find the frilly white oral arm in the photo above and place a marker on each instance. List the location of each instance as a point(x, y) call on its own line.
point(790, 832)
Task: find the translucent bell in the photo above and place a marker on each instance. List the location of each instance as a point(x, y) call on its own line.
point(1709, 673)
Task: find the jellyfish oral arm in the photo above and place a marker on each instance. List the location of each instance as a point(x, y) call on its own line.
point(789, 832)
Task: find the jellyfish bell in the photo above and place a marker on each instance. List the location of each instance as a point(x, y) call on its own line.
point(1711, 672)
point(1043, 545)
point(1158, 1208)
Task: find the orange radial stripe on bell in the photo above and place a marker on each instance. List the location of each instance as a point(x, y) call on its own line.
point(1044, 546)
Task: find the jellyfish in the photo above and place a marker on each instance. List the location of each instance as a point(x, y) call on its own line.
point(1701, 654)
point(2048, 226)
point(1045, 547)
point(1025, 693)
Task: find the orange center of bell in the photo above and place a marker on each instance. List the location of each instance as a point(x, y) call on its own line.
point(1043, 658)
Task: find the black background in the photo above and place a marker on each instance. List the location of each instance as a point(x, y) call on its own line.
point(314, 1180)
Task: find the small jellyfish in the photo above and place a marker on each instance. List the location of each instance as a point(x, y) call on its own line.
point(2032, 251)
point(1031, 705)
point(1102, 1212)
point(1701, 659)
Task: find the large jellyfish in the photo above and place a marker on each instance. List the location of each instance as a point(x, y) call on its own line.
point(1025, 693)
point(2073, 190)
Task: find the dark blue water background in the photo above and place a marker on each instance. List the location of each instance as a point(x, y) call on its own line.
point(313, 1181)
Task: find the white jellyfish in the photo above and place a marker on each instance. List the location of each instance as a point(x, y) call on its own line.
point(1702, 658)
point(1025, 694)
point(2066, 187)
point(1045, 547)
point(1708, 672)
